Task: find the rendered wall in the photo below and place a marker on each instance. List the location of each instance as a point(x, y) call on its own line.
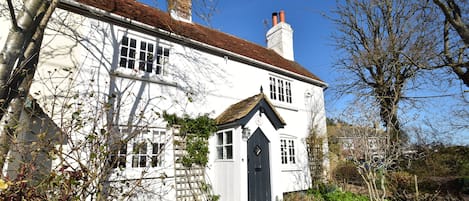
point(78, 72)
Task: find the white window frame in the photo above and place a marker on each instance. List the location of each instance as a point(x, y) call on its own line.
point(147, 55)
point(280, 89)
point(224, 145)
point(288, 151)
point(134, 157)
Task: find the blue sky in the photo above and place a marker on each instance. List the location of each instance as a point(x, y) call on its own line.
point(250, 20)
point(313, 47)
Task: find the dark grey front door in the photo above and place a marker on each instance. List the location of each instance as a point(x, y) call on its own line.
point(258, 167)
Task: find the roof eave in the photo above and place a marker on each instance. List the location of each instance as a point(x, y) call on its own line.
point(98, 14)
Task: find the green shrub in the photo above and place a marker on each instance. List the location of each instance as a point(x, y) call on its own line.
point(344, 196)
point(441, 161)
point(465, 184)
point(328, 192)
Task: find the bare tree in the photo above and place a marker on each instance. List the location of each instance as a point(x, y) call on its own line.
point(382, 42)
point(455, 37)
point(367, 146)
point(18, 61)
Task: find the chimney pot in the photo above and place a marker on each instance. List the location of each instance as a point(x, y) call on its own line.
point(282, 16)
point(274, 19)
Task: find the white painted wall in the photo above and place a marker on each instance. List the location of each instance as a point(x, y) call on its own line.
point(83, 76)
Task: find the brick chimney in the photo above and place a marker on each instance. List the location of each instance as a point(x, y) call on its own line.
point(280, 36)
point(180, 9)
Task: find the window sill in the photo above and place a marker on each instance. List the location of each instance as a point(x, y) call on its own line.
point(139, 173)
point(142, 76)
point(285, 106)
point(290, 168)
point(224, 160)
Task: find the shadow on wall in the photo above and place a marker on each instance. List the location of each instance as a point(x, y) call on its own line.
point(78, 89)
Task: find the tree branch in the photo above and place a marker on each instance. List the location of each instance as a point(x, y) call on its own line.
point(13, 15)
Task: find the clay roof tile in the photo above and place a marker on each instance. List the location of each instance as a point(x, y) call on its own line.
point(134, 10)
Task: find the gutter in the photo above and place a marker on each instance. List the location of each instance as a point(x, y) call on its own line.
point(101, 15)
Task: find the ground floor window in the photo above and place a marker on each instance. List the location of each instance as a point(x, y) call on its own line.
point(138, 148)
point(225, 145)
point(287, 151)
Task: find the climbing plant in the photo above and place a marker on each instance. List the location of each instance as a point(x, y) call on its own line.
point(316, 157)
point(193, 139)
point(196, 132)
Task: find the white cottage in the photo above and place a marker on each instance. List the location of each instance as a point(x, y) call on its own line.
point(118, 64)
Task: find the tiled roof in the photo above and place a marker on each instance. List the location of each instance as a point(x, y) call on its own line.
point(134, 10)
point(241, 109)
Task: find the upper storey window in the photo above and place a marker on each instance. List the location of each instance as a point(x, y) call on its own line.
point(280, 90)
point(142, 55)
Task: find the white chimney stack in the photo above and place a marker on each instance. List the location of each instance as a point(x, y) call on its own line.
point(280, 36)
point(180, 10)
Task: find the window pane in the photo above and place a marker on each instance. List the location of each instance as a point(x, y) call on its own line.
point(158, 70)
point(123, 149)
point(134, 161)
point(123, 62)
point(141, 65)
point(229, 137)
point(291, 147)
point(143, 45)
point(124, 51)
point(122, 161)
point(154, 161)
point(273, 88)
point(143, 149)
point(159, 50)
point(131, 64)
point(150, 47)
point(158, 59)
point(149, 67)
point(135, 148)
point(219, 152)
point(133, 43)
point(132, 53)
point(155, 148)
point(283, 151)
point(143, 161)
point(150, 57)
point(125, 40)
point(219, 138)
point(166, 52)
point(229, 152)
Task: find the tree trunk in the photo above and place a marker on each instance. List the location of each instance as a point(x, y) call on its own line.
point(22, 77)
point(14, 45)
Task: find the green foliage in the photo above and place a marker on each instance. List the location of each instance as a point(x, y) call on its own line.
point(344, 196)
point(441, 160)
point(325, 192)
point(197, 151)
point(465, 184)
point(196, 132)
